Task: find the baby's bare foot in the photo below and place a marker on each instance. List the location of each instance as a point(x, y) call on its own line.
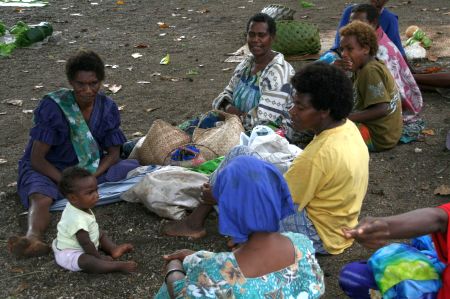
point(121, 250)
point(127, 267)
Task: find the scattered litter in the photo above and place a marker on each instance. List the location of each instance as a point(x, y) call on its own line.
point(176, 14)
point(192, 72)
point(113, 88)
point(141, 46)
point(13, 184)
point(143, 82)
point(429, 132)
point(39, 86)
point(34, 99)
point(76, 15)
point(162, 34)
point(136, 55)
point(3, 113)
point(94, 3)
point(227, 69)
point(130, 68)
point(121, 107)
point(72, 42)
point(163, 25)
point(137, 134)
point(432, 58)
point(417, 150)
point(305, 4)
point(155, 74)
point(18, 103)
point(113, 66)
point(442, 190)
point(180, 38)
point(151, 109)
point(3, 161)
point(168, 78)
point(27, 111)
point(120, 2)
point(204, 10)
point(60, 61)
point(242, 7)
point(165, 60)
point(21, 3)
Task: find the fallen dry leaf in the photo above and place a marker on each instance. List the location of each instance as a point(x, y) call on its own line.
point(16, 270)
point(120, 2)
point(13, 184)
point(429, 132)
point(163, 25)
point(3, 113)
point(115, 88)
point(121, 107)
point(143, 82)
point(442, 190)
point(27, 111)
point(3, 161)
point(151, 109)
point(432, 58)
point(130, 68)
point(137, 134)
point(136, 55)
point(141, 46)
point(162, 34)
point(204, 10)
point(39, 86)
point(34, 99)
point(13, 102)
point(226, 69)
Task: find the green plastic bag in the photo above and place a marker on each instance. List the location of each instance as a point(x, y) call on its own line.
point(208, 167)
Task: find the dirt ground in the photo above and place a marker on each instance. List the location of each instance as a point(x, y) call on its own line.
point(401, 179)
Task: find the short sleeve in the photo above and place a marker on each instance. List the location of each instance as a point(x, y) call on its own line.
point(303, 178)
point(113, 135)
point(440, 240)
point(372, 89)
point(50, 125)
point(77, 224)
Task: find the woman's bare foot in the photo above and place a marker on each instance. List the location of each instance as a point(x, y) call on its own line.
point(23, 247)
point(120, 250)
point(127, 267)
point(181, 228)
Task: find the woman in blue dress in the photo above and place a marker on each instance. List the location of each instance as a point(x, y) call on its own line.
point(78, 126)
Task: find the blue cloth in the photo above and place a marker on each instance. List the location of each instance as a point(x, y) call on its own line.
point(52, 128)
point(252, 196)
point(109, 192)
point(387, 20)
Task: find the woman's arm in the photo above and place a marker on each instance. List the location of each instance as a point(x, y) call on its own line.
point(174, 272)
point(112, 157)
point(39, 163)
point(374, 232)
point(370, 113)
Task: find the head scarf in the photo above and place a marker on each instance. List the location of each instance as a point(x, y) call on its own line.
point(252, 196)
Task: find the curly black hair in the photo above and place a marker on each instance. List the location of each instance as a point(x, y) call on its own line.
point(85, 60)
point(370, 10)
point(329, 88)
point(264, 18)
point(69, 176)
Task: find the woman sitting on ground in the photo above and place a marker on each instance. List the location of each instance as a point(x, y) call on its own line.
point(328, 180)
point(71, 127)
point(357, 278)
point(252, 197)
point(388, 53)
point(259, 91)
point(377, 110)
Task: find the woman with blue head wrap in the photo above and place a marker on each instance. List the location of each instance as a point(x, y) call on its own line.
point(252, 198)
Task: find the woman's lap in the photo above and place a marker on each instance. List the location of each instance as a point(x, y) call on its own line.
point(31, 181)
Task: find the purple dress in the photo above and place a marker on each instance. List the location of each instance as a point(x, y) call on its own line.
point(51, 127)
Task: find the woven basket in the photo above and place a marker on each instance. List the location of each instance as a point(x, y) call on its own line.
point(222, 139)
point(296, 38)
point(159, 142)
point(279, 12)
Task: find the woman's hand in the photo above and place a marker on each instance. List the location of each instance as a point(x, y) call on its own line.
point(178, 255)
point(207, 196)
point(343, 64)
point(370, 232)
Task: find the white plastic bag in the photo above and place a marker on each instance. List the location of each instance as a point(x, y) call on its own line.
point(168, 192)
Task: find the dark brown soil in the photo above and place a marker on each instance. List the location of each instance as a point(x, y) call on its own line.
point(401, 179)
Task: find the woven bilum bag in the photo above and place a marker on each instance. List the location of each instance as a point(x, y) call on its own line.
point(296, 38)
point(220, 139)
point(160, 140)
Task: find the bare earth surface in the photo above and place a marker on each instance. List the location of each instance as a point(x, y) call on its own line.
point(401, 179)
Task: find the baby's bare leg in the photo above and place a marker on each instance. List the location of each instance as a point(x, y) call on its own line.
point(112, 248)
point(92, 264)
